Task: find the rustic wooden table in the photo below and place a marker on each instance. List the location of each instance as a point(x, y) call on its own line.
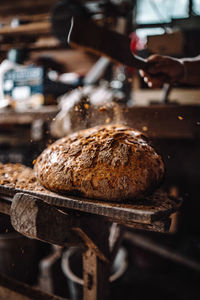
point(70, 221)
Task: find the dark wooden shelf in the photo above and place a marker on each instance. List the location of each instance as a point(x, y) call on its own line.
point(24, 117)
point(27, 29)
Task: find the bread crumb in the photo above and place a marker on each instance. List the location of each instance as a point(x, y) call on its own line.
point(180, 118)
point(102, 109)
point(144, 128)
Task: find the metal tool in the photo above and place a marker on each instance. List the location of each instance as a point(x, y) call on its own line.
point(97, 39)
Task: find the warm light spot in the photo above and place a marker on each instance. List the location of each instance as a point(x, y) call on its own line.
point(76, 108)
point(180, 118)
point(107, 120)
point(86, 106)
point(102, 108)
point(144, 128)
point(34, 161)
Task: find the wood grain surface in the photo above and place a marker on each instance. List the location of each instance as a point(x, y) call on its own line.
point(151, 211)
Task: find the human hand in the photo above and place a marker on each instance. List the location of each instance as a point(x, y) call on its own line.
point(162, 69)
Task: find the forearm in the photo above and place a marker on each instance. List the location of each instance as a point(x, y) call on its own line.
point(191, 71)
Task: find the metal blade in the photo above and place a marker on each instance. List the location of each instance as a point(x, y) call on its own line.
point(104, 42)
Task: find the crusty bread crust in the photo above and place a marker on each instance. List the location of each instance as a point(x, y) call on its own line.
point(113, 163)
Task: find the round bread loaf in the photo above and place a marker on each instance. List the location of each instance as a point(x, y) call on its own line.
point(105, 162)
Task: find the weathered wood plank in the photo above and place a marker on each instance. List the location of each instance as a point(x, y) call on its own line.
point(146, 211)
point(34, 218)
point(159, 226)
